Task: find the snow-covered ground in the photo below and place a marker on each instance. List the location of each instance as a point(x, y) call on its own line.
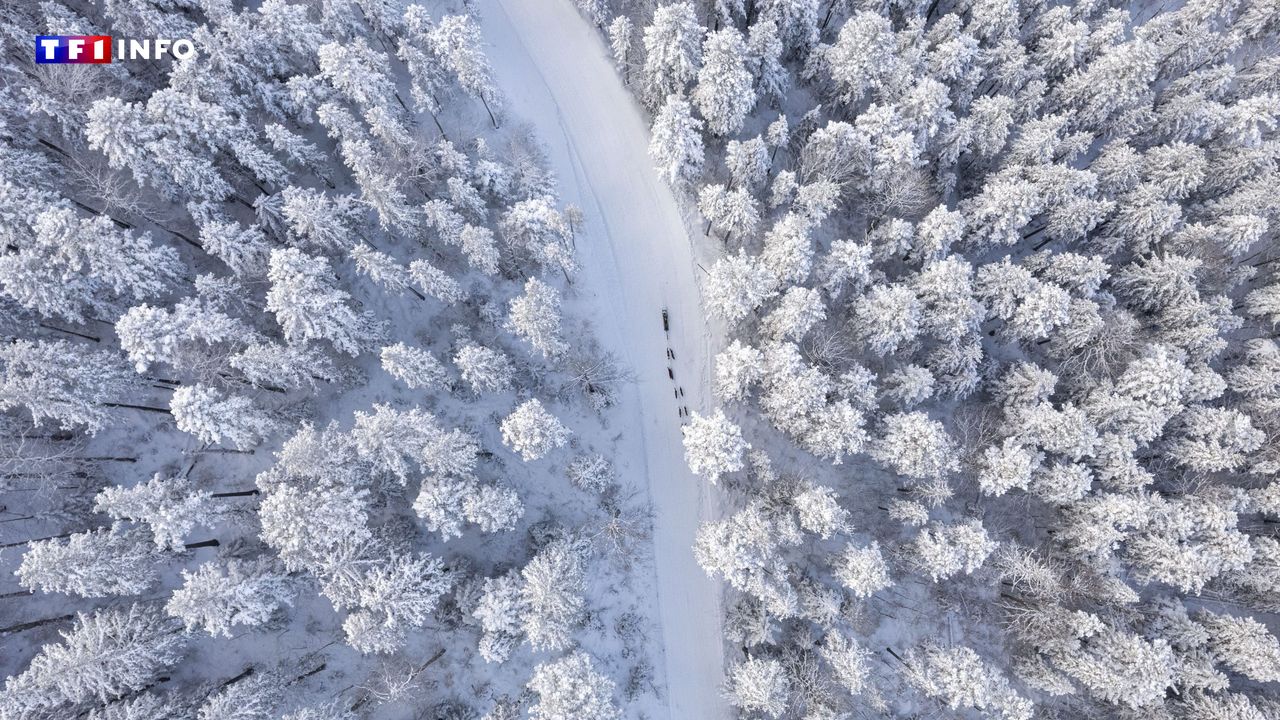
point(637, 259)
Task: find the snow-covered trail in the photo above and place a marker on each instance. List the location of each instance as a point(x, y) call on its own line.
point(637, 258)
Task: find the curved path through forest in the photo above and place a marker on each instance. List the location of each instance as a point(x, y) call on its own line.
point(636, 258)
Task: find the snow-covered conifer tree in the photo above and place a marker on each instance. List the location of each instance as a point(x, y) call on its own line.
point(322, 222)
point(1244, 645)
point(309, 305)
point(95, 563)
point(414, 366)
point(737, 284)
point(944, 550)
point(765, 50)
point(500, 611)
point(737, 368)
point(532, 432)
point(734, 211)
point(725, 92)
point(916, 446)
point(621, 35)
point(535, 317)
point(57, 380)
point(252, 698)
point(863, 570)
point(381, 268)
point(171, 507)
point(218, 595)
point(959, 678)
point(486, 370)
point(761, 686)
point(213, 417)
point(676, 142)
point(571, 688)
point(672, 49)
point(107, 655)
point(551, 594)
point(395, 595)
point(267, 364)
point(435, 282)
point(457, 42)
point(713, 445)
point(178, 337)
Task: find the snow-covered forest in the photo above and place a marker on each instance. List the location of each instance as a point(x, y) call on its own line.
point(919, 361)
point(303, 417)
point(998, 418)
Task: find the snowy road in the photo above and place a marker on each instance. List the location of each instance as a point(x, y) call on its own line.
point(637, 258)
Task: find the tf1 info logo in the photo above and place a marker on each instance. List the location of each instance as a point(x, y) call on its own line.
point(100, 50)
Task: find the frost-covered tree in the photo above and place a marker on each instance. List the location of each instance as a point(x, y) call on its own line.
point(302, 525)
point(713, 445)
point(500, 611)
point(73, 267)
point(959, 678)
point(672, 44)
point(797, 312)
point(863, 570)
point(621, 36)
point(888, 317)
point(593, 473)
point(1007, 466)
point(309, 305)
point(253, 698)
point(140, 707)
point(734, 211)
point(414, 366)
point(493, 508)
point(95, 563)
point(1114, 666)
point(178, 337)
point(572, 688)
point(170, 506)
point(534, 316)
point(393, 440)
point(395, 595)
point(220, 595)
point(916, 446)
point(1215, 439)
point(204, 411)
point(736, 285)
point(910, 385)
point(435, 282)
point(106, 655)
point(676, 142)
point(1244, 645)
point(457, 42)
point(552, 595)
point(820, 512)
point(758, 685)
point(63, 382)
point(325, 223)
point(941, 551)
point(276, 365)
point(381, 268)
point(737, 368)
point(765, 50)
point(745, 549)
point(486, 370)
point(725, 92)
point(532, 432)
